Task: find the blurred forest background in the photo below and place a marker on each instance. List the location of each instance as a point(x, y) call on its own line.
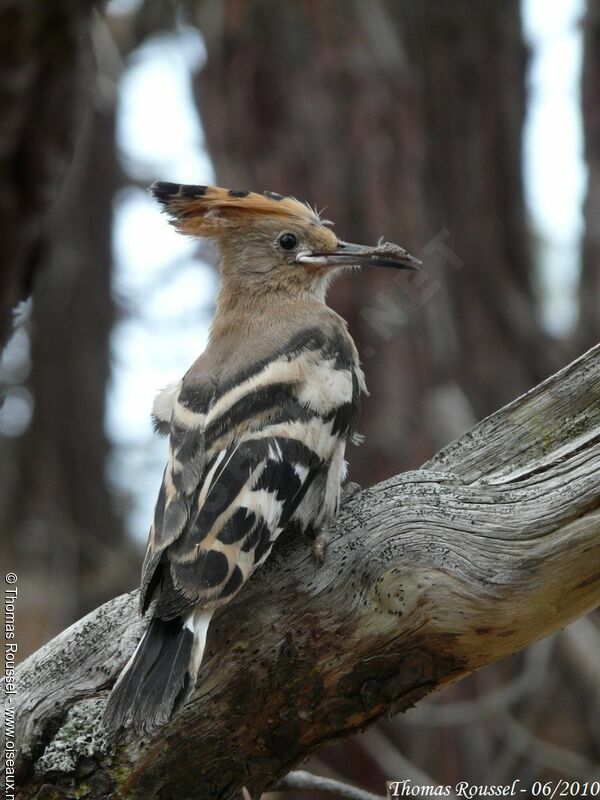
point(403, 119)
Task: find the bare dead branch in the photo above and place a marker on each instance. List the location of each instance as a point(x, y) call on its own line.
point(496, 701)
point(549, 755)
point(299, 779)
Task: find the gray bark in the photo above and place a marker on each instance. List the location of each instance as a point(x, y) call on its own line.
point(430, 575)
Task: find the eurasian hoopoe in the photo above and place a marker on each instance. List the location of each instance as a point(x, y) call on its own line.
point(257, 427)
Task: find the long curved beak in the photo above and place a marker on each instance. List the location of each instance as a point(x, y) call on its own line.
point(385, 254)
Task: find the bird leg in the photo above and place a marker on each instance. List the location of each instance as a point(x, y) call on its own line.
point(319, 544)
point(320, 535)
point(349, 491)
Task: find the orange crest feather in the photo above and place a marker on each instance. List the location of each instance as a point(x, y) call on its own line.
point(211, 210)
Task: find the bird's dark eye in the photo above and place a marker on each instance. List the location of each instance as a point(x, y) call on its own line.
point(288, 241)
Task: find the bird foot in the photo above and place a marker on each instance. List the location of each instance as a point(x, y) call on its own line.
point(318, 546)
point(321, 537)
point(349, 491)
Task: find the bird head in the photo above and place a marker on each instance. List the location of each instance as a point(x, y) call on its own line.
point(268, 240)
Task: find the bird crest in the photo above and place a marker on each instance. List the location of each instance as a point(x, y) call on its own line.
point(213, 211)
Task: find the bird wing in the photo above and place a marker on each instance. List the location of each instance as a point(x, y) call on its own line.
point(243, 456)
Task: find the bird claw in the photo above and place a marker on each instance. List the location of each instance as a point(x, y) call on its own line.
point(321, 537)
point(349, 491)
point(318, 546)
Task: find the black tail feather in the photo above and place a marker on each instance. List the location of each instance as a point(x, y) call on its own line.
point(156, 681)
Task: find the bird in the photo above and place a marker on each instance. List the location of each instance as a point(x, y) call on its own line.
point(257, 427)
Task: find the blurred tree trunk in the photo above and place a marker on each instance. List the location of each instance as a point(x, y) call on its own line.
point(589, 320)
point(44, 63)
point(59, 528)
point(403, 120)
point(579, 644)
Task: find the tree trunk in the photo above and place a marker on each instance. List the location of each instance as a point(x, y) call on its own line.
point(44, 64)
point(588, 332)
point(59, 527)
point(492, 545)
point(403, 120)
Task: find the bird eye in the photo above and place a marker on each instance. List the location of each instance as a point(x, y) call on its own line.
point(288, 241)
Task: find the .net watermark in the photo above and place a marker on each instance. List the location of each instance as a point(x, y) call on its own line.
point(419, 287)
point(10, 660)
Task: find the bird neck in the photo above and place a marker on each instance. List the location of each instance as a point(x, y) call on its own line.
point(248, 326)
point(258, 298)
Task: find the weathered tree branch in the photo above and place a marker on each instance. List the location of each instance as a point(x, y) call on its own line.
point(299, 779)
point(492, 545)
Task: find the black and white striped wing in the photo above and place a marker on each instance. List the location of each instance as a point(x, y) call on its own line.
point(240, 468)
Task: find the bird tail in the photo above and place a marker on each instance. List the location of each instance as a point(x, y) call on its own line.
point(160, 674)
